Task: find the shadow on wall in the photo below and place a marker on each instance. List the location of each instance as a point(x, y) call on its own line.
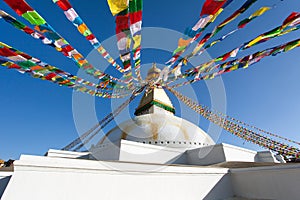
point(219, 191)
point(3, 184)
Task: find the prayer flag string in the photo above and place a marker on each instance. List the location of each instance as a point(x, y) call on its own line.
point(210, 11)
point(183, 61)
point(236, 64)
point(289, 25)
point(40, 25)
point(54, 75)
point(24, 59)
point(135, 21)
point(83, 29)
point(238, 129)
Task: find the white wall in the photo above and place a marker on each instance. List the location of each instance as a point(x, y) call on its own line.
point(206, 155)
point(67, 154)
point(37, 178)
point(107, 151)
point(234, 153)
point(219, 153)
point(130, 151)
point(277, 182)
point(145, 153)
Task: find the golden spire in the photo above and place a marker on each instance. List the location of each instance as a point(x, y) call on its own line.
point(153, 73)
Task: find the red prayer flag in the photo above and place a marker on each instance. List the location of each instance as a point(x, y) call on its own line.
point(291, 18)
point(67, 48)
point(50, 76)
point(226, 56)
point(90, 37)
point(28, 30)
point(211, 7)
point(64, 4)
point(136, 17)
point(14, 66)
point(25, 56)
point(6, 52)
point(19, 6)
point(122, 23)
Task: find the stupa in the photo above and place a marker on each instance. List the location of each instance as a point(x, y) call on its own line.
point(155, 126)
point(155, 155)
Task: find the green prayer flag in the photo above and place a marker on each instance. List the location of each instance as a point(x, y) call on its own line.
point(34, 18)
point(26, 64)
point(18, 25)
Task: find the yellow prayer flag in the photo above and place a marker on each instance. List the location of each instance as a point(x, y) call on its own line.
point(291, 47)
point(116, 6)
point(184, 61)
point(6, 64)
point(288, 31)
point(137, 41)
point(5, 45)
point(259, 12)
point(128, 42)
point(82, 28)
point(256, 40)
point(234, 67)
point(214, 42)
point(212, 76)
point(246, 65)
point(216, 15)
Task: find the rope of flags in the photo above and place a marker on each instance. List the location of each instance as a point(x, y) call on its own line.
point(128, 32)
point(177, 69)
point(135, 21)
point(109, 118)
point(241, 63)
point(238, 129)
point(24, 63)
point(210, 11)
point(218, 28)
point(124, 42)
point(86, 137)
point(43, 28)
point(26, 60)
point(34, 34)
point(22, 27)
point(242, 24)
point(254, 127)
point(292, 23)
point(83, 29)
point(57, 76)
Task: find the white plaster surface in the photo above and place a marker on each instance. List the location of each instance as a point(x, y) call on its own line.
point(66, 154)
point(138, 152)
point(219, 153)
point(145, 153)
point(37, 178)
point(276, 182)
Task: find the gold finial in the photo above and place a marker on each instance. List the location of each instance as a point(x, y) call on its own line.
point(153, 73)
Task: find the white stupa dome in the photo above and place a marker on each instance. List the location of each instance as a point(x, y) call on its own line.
point(156, 124)
point(161, 129)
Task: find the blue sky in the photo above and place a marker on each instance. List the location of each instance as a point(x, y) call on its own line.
point(37, 115)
